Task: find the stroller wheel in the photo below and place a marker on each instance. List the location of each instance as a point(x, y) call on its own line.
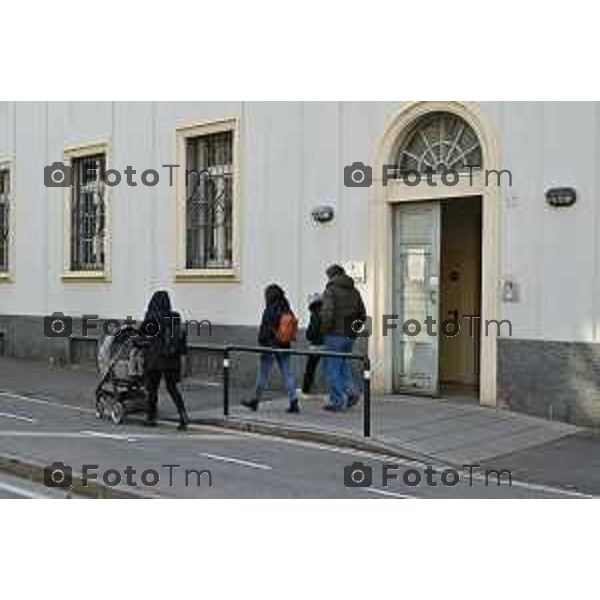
point(117, 413)
point(100, 407)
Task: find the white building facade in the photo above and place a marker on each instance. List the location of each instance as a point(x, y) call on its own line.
point(489, 242)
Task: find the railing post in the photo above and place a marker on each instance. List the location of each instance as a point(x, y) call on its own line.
point(367, 397)
point(226, 366)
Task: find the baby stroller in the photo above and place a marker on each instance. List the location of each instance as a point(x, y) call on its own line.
point(121, 390)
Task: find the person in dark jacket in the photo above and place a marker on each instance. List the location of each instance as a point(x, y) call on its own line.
point(276, 304)
point(315, 337)
point(342, 309)
point(165, 345)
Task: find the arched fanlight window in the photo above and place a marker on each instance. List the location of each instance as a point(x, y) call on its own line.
point(440, 141)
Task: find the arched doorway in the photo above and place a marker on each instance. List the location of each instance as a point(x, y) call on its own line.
point(405, 221)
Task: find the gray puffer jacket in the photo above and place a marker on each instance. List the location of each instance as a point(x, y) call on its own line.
point(342, 304)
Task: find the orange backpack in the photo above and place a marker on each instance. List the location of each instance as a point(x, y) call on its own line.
point(287, 330)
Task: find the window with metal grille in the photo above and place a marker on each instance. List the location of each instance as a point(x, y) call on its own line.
point(209, 201)
point(440, 141)
point(4, 218)
point(88, 214)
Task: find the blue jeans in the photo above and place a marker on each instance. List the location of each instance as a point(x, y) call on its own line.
point(339, 374)
point(264, 371)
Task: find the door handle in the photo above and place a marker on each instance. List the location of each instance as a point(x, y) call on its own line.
point(433, 296)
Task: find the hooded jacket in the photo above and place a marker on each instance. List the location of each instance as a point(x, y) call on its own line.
point(164, 336)
point(342, 304)
point(314, 333)
point(158, 333)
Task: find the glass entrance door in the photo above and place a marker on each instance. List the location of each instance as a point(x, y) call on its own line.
point(416, 263)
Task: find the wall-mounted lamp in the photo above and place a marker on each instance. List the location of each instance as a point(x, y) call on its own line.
point(510, 291)
point(561, 196)
point(323, 214)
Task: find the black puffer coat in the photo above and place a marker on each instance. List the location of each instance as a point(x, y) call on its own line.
point(165, 348)
point(342, 304)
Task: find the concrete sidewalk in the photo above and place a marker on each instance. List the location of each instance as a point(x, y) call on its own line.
point(452, 430)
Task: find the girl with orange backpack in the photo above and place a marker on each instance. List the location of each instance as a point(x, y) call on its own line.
point(278, 329)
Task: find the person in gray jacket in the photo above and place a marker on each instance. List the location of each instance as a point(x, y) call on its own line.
point(342, 309)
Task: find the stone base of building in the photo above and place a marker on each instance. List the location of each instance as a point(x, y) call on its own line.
point(24, 337)
point(555, 380)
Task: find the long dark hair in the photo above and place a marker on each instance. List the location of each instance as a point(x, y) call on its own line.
point(159, 306)
point(273, 294)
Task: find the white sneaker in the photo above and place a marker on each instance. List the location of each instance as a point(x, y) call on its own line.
point(311, 396)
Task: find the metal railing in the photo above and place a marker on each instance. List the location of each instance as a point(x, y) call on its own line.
point(229, 349)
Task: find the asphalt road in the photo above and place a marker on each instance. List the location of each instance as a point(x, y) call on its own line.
point(226, 464)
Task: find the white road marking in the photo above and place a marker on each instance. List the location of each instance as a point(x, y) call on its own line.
point(46, 402)
point(17, 417)
point(13, 489)
point(209, 384)
point(140, 436)
point(110, 436)
point(387, 493)
point(237, 461)
point(42, 434)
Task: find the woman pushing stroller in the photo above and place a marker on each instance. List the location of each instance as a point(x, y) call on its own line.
point(166, 343)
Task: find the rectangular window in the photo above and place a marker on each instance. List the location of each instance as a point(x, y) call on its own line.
point(4, 218)
point(88, 213)
point(209, 175)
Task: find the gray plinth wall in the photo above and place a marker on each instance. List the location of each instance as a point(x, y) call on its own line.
point(24, 337)
point(555, 380)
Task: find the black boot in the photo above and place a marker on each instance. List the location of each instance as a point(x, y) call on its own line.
point(294, 407)
point(150, 419)
point(184, 421)
point(151, 407)
point(353, 400)
point(251, 404)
